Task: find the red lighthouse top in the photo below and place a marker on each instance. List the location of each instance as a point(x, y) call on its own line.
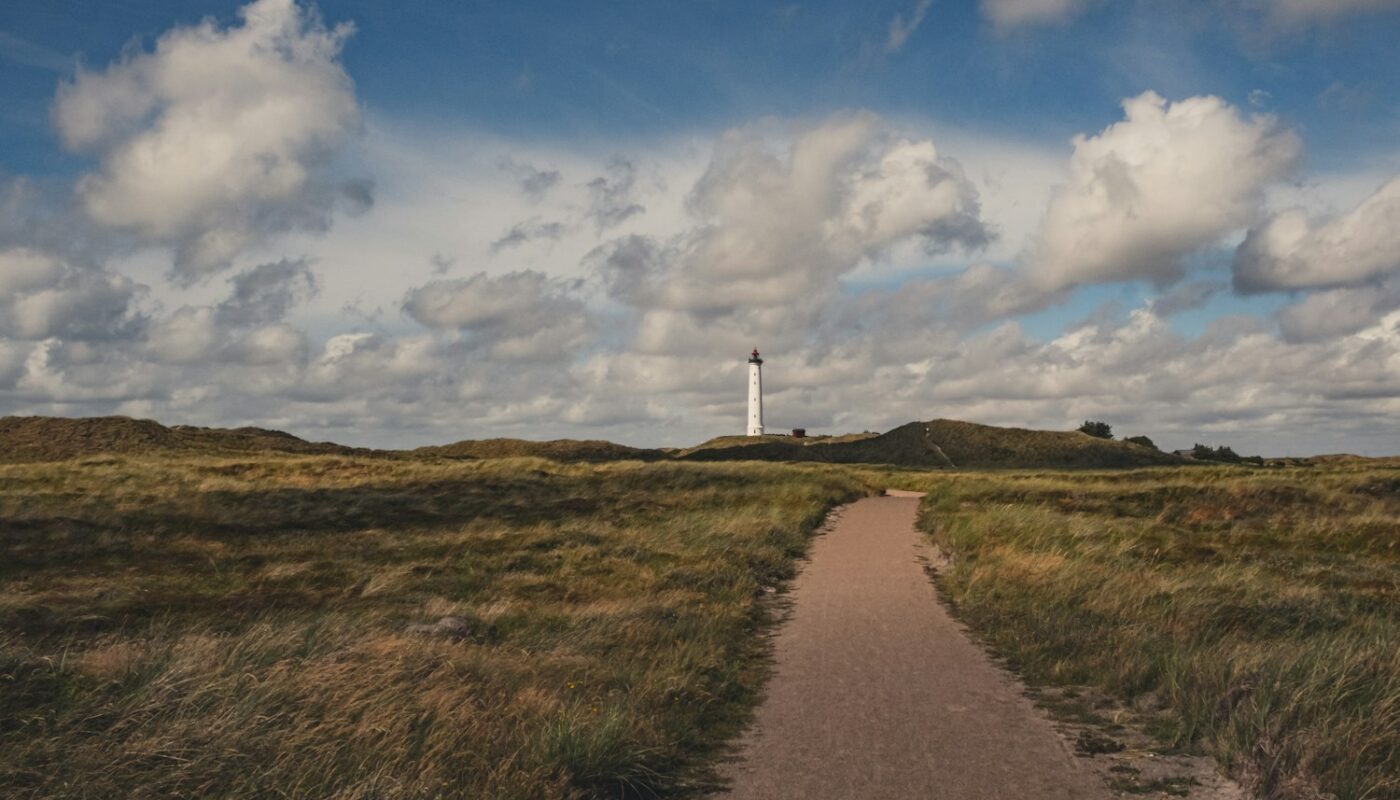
point(754, 359)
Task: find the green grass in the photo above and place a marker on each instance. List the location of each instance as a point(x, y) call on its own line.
point(244, 627)
point(1257, 611)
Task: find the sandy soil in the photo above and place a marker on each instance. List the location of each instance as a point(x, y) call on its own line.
point(879, 694)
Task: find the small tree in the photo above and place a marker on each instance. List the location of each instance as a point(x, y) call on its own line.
point(1227, 454)
point(1224, 453)
point(1142, 440)
point(1100, 430)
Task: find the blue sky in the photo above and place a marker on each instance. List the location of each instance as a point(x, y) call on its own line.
point(603, 298)
point(562, 70)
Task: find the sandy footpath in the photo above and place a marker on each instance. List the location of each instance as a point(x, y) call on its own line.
point(878, 694)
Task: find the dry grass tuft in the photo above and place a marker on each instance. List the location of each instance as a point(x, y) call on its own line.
point(266, 625)
point(1256, 609)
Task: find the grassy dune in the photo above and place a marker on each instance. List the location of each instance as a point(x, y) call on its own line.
point(589, 450)
point(940, 443)
point(341, 627)
point(1255, 614)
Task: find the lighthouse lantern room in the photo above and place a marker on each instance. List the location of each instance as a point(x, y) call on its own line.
point(755, 394)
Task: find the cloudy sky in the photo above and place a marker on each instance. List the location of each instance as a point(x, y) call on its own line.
point(396, 224)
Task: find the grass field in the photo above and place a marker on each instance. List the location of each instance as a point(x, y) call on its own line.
point(1252, 614)
point(339, 626)
point(342, 627)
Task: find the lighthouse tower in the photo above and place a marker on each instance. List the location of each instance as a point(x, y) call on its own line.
point(755, 394)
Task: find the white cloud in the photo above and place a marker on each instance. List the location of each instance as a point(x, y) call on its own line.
point(1012, 13)
point(1292, 250)
point(267, 292)
point(531, 230)
point(1169, 179)
point(519, 315)
point(613, 195)
point(1009, 14)
point(190, 334)
point(1337, 312)
point(271, 345)
point(42, 296)
point(901, 28)
point(1305, 11)
point(533, 181)
point(800, 237)
point(218, 137)
point(780, 215)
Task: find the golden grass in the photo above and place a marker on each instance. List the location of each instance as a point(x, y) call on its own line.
point(245, 627)
point(263, 625)
point(1256, 611)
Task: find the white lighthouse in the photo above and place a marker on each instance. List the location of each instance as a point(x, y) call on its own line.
point(755, 394)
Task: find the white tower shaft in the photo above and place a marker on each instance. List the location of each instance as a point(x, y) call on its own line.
point(755, 395)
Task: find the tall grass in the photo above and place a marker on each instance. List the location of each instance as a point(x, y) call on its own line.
point(264, 626)
point(1257, 613)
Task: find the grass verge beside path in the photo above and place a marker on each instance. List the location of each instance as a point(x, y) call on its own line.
point(269, 626)
point(1256, 612)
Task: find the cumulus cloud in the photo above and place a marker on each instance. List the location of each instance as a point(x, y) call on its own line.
point(779, 216)
point(1292, 250)
point(218, 137)
point(441, 264)
point(1238, 383)
point(1338, 312)
point(42, 296)
point(612, 195)
point(1169, 179)
point(947, 307)
point(1013, 13)
point(528, 231)
point(350, 363)
point(38, 214)
point(265, 293)
point(533, 181)
point(522, 315)
point(792, 236)
point(190, 334)
point(244, 327)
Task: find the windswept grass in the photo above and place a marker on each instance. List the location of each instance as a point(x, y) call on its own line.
point(1256, 611)
point(341, 627)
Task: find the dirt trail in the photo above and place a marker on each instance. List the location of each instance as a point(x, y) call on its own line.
point(877, 692)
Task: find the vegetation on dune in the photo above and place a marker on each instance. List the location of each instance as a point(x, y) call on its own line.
point(940, 444)
point(1255, 614)
point(723, 442)
point(1098, 430)
point(1223, 454)
point(944, 443)
point(589, 450)
point(976, 446)
point(30, 439)
point(350, 627)
point(223, 617)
